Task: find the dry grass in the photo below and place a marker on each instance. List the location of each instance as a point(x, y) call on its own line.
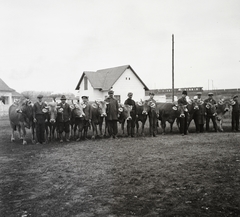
point(171, 175)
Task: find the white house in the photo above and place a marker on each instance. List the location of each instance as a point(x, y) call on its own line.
point(7, 97)
point(121, 80)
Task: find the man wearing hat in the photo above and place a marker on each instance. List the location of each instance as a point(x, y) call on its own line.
point(63, 118)
point(39, 118)
point(112, 114)
point(184, 120)
point(88, 115)
point(153, 119)
point(131, 123)
point(208, 117)
point(235, 113)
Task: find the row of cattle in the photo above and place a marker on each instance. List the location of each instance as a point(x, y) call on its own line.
point(21, 116)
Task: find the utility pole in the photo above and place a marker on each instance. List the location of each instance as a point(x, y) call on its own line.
point(172, 67)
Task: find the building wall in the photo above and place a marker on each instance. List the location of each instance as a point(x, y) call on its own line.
point(128, 82)
point(93, 94)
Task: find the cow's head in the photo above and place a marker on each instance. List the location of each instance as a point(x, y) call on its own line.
point(124, 112)
point(25, 108)
point(223, 106)
point(77, 111)
point(52, 111)
point(147, 106)
point(102, 107)
point(181, 110)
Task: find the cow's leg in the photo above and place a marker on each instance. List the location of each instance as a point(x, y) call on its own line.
point(23, 134)
point(12, 135)
point(220, 124)
point(163, 125)
point(143, 124)
point(137, 127)
point(94, 130)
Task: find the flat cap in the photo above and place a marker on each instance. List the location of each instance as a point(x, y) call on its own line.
point(151, 93)
point(84, 97)
point(63, 97)
point(184, 92)
point(110, 92)
point(199, 93)
point(40, 96)
point(210, 94)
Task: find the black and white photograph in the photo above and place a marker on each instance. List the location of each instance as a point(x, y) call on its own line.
point(119, 108)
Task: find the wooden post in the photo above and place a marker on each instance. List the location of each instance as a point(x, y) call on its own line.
point(172, 68)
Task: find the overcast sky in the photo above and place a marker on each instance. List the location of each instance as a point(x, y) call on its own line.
point(46, 44)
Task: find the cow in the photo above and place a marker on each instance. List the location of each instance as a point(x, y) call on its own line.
point(196, 111)
point(76, 122)
point(223, 106)
point(211, 113)
point(21, 116)
point(98, 112)
point(167, 112)
point(149, 108)
point(124, 115)
point(51, 124)
point(141, 115)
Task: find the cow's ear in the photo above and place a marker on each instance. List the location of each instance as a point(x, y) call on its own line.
point(107, 103)
point(140, 103)
point(220, 102)
point(94, 105)
point(207, 106)
point(120, 109)
point(174, 107)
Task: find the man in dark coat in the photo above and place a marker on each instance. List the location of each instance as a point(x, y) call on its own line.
point(63, 118)
point(39, 117)
point(184, 120)
point(153, 120)
point(88, 114)
point(208, 117)
point(131, 122)
point(235, 114)
point(112, 114)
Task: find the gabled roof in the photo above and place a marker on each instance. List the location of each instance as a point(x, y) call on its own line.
point(104, 79)
point(5, 87)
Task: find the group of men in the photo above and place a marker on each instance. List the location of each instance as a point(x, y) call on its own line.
point(39, 115)
point(201, 115)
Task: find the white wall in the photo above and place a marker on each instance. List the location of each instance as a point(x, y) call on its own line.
point(123, 86)
point(93, 94)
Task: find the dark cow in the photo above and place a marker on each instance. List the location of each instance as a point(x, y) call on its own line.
point(124, 115)
point(98, 115)
point(76, 122)
point(167, 112)
point(223, 106)
point(21, 116)
point(141, 115)
point(211, 114)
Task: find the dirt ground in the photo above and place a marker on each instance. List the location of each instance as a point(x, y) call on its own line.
point(170, 175)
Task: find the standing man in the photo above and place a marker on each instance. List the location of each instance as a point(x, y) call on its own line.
point(64, 115)
point(184, 120)
point(211, 116)
point(131, 123)
point(88, 115)
point(112, 114)
point(152, 114)
point(201, 112)
point(235, 113)
point(39, 118)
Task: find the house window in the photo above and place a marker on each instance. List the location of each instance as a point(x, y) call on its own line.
point(85, 83)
